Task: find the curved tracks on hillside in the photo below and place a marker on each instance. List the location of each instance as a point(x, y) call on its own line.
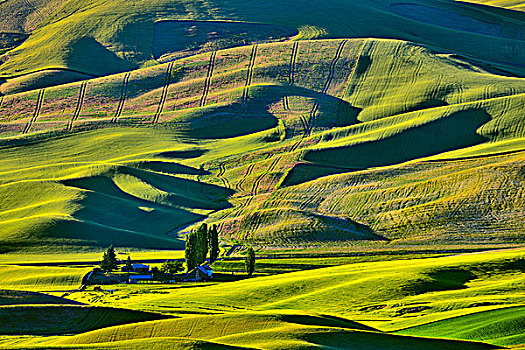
point(207, 81)
point(36, 113)
point(78, 108)
point(328, 82)
point(249, 78)
point(220, 175)
point(239, 184)
point(122, 100)
point(165, 88)
point(291, 73)
point(309, 124)
point(257, 182)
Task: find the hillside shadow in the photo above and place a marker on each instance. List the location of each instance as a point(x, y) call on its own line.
point(455, 131)
point(155, 204)
point(178, 36)
point(238, 119)
point(89, 56)
point(439, 280)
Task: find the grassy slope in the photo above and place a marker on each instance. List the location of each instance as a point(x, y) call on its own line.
point(65, 319)
point(517, 5)
point(35, 279)
point(122, 39)
point(266, 331)
point(500, 327)
point(179, 172)
point(454, 297)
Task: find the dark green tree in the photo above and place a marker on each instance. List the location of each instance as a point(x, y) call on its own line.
point(109, 260)
point(170, 266)
point(202, 244)
point(189, 252)
point(196, 247)
point(213, 242)
point(249, 261)
point(129, 265)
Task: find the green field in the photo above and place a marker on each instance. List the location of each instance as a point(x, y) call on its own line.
point(253, 157)
point(453, 302)
point(371, 152)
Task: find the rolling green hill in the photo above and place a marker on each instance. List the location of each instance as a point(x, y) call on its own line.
point(475, 297)
point(301, 143)
point(354, 144)
point(65, 35)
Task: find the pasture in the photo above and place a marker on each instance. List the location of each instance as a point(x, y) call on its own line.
point(377, 304)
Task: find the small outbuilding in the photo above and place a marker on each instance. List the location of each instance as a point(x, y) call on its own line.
point(200, 274)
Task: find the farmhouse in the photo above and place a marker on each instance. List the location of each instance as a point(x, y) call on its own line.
point(200, 273)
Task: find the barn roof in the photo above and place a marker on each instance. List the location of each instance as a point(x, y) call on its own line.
point(140, 266)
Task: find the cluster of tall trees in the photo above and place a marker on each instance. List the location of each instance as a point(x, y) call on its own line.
point(200, 243)
point(109, 260)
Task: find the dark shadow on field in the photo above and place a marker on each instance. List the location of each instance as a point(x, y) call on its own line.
point(344, 339)
point(439, 280)
point(67, 319)
point(194, 153)
point(90, 56)
point(170, 168)
point(237, 119)
point(17, 297)
point(189, 36)
point(304, 172)
point(458, 130)
point(325, 321)
point(451, 18)
point(106, 214)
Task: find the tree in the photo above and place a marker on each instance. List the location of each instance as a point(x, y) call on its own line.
point(109, 260)
point(249, 261)
point(196, 247)
point(129, 265)
point(213, 242)
point(202, 244)
point(170, 266)
point(189, 252)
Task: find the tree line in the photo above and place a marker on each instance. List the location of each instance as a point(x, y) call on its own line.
point(199, 243)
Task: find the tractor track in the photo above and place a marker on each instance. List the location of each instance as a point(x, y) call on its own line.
point(222, 170)
point(238, 186)
point(38, 107)
point(308, 124)
point(257, 181)
point(122, 100)
point(291, 74)
point(78, 108)
point(249, 78)
point(331, 73)
point(165, 88)
point(207, 82)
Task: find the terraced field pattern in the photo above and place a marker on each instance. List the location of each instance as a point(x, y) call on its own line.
point(370, 136)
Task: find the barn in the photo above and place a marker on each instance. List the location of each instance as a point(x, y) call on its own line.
point(200, 274)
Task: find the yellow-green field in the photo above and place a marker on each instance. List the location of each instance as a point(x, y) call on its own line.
point(452, 302)
point(231, 140)
point(371, 151)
